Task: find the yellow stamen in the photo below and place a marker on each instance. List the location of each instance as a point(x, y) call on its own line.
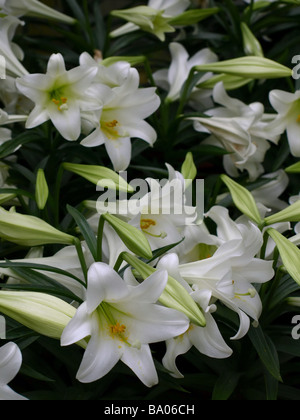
point(118, 330)
point(146, 223)
point(61, 103)
point(110, 129)
point(298, 119)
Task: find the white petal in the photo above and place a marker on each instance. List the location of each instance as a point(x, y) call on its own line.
point(10, 362)
point(119, 152)
point(140, 361)
point(80, 327)
point(104, 284)
point(99, 358)
point(67, 122)
point(176, 347)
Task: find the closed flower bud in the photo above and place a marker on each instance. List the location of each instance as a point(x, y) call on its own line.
point(30, 231)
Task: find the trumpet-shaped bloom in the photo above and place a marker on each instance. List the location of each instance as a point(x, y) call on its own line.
point(242, 130)
point(207, 340)
point(230, 272)
point(60, 96)
point(10, 363)
point(33, 8)
point(9, 51)
point(173, 79)
point(153, 18)
point(287, 106)
point(121, 322)
point(123, 114)
point(162, 214)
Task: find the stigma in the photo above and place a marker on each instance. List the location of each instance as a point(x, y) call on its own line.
point(61, 103)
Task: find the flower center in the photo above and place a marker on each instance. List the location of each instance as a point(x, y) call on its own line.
point(59, 100)
point(110, 129)
point(147, 224)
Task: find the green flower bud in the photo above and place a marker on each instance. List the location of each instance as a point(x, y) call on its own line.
point(99, 175)
point(289, 252)
point(174, 296)
point(42, 313)
point(243, 199)
point(30, 231)
point(249, 67)
point(133, 238)
point(41, 190)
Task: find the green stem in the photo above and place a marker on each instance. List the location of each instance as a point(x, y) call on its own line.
point(100, 239)
point(78, 247)
point(57, 194)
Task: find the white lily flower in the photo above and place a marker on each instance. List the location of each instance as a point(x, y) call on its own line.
point(231, 271)
point(8, 50)
point(242, 130)
point(33, 8)
point(153, 18)
point(121, 322)
point(60, 96)
point(5, 135)
point(14, 102)
point(207, 340)
point(66, 259)
point(288, 107)
point(162, 214)
point(123, 115)
point(173, 79)
point(10, 364)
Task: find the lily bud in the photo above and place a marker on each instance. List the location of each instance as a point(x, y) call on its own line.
point(243, 199)
point(290, 214)
point(251, 44)
point(289, 252)
point(175, 296)
point(42, 313)
point(133, 238)
point(249, 67)
point(30, 231)
point(99, 175)
point(145, 18)
point(189, 170)
point(41, 190)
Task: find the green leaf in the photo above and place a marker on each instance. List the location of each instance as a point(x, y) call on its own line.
point(85, 229)
point(225, 386)
point(191, 17)
point(266, 351)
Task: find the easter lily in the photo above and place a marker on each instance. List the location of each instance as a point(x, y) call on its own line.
point(10, 364)
point(153, 18)
point(230, 272)
point(242, 130)
point(174, 78)
point(9, 51)
point(122, 116)
point(33, 8)
point(287, 106)
point(121, 322)
point(59, 95)
point(208, 340)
